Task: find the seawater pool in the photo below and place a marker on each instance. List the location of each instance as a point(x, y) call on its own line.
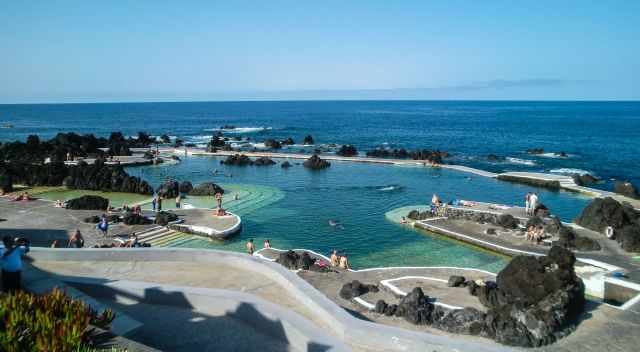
point(293, 207)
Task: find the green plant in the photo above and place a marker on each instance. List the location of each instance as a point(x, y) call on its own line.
point(49, 322)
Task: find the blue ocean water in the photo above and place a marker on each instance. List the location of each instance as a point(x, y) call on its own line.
point(599, 137)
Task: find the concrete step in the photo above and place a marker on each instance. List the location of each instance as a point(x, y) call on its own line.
point(156, 236)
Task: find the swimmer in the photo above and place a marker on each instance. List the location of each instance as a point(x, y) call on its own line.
point(236, 197)
point(250, 247)
point(404, 220)
point(267, 244)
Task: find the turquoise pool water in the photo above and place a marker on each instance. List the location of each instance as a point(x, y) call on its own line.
point(293, 207)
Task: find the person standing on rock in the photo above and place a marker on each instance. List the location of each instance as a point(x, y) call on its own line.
point(527, 199)
point(250, 247)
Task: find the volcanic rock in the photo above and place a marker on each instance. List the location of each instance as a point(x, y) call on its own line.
point(347, 150)
point(315, 163)
point(507, 221)
point(238, 160)
point(356, 288)
point(135, 219)
point(272, 144)
point(263, 161)
point(285, 165)
point(185, 187)
point(206, 189)
point(169, 189)
point(163, 218)
point(626, 189)
point(308, 140)
point(88, 202)
point(456, 281)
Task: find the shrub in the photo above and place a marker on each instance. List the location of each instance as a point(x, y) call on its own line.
point(48, 322)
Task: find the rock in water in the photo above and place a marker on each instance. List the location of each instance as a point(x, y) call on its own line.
point(206, 189)
point(286, 165)
point(626, 189)
point(315, 163)
point(238, 160)
point(263, 161)
point(347, 150)
point(308, 140)
point(583, 180)
point(88, 203)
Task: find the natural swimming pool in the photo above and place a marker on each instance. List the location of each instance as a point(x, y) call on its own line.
point(292, 207)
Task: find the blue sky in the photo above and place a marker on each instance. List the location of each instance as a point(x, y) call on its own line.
point(85, 51)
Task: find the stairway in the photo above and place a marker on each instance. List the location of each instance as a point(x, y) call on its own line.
point(159, 236)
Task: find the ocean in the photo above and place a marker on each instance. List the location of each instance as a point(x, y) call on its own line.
point(293, 207)
point(601, 138)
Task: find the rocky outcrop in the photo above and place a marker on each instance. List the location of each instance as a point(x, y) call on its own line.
point(388, 153)
point(286, 165)
point(206, 189)
point(625, 221)
point(507, 221)
point(288, 141)
point(494, 157)
point(432, 156)
point(185, 187)
point(308, 140)
point(292, 260)
point(135, 219)
point(88, 202)
point(533, 302)
point(347, 150)
point(456, 281)
point(315, 163)
point(237, 160)
point(584, 180)
point(215, 143)
point(263, 161)
point(355, 288)
point(272, 144)
point(626, 189)
point(169, 189)
point(567, 237)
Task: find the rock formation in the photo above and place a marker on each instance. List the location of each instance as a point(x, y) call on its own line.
point(238, 160)
point(583, 180)
point(626, 189)
point(185, 187)
point(347, 150)
point(163, 218)
point(135, 219)
point(288, 141)
point(206, 189)
point(625, 221)
point(315, 163)
point(286, 165)
point(533, 302)
point(169, 189)
point(263, 161)
point(292, 260)
point(435, 157)
point(272, 144)
point(88, 202)
point(356, 288)
point(535, 151)
point(507, 221)
point(308, 140)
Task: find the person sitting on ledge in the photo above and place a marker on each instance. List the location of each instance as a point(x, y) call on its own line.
point(334, 258)
point(531, 232)
point(23, 197)
point(344, 262)
point(250, 247)
point(54, 244)
point(267, 244)
point(403, 220)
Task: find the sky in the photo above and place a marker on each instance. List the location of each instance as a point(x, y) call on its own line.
point(111, 51)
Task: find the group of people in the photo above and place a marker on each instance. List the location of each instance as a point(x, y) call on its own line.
point(340, 261)
point(76, 240)
point(530, 203)
point(535, 233)
point(22, 197)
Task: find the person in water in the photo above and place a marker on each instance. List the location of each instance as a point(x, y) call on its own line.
point(344, 262)
point(76, 240)
point(250, 247)
point(267, 244)
point(334, 258)
point(12, 253)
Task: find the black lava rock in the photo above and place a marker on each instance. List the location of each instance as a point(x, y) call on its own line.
point(356, 288)
point(206, 189)
point(456, 281)
point(315, 163)
point(88, 203)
